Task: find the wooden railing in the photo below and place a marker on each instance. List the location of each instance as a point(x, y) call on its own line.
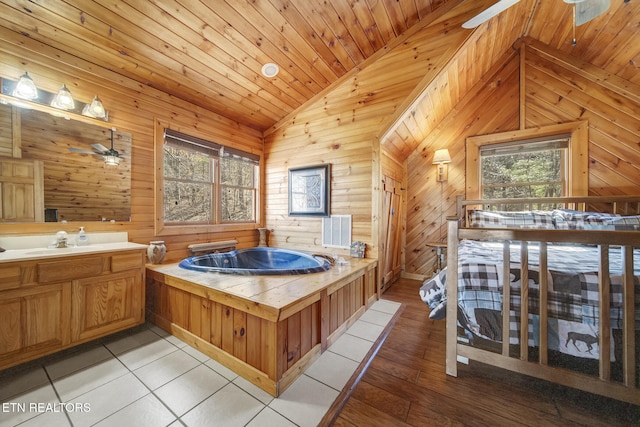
point(627, 388)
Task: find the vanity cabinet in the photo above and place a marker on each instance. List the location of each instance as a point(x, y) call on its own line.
point(50, 304)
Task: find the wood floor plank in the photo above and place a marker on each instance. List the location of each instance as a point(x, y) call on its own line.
point(406, 385)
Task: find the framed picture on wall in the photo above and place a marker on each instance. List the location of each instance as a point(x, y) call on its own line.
point(309, 190)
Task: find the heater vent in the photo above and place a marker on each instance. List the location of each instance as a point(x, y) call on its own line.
point(336, 231)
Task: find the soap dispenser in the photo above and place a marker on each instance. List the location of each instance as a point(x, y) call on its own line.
point(83, 239)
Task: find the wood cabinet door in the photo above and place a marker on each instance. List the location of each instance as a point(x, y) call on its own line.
point(34, 322)
point(106, 304)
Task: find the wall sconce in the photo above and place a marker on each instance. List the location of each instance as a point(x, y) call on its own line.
point(63, 99)
point(25, 88)
point(95, 109)
point(442, 158)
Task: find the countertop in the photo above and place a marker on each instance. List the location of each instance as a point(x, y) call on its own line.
point(14, 255)
point(266, 294)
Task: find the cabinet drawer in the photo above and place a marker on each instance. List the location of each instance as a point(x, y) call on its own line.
point(9, 277)
point(70, 269)
point(128, 261)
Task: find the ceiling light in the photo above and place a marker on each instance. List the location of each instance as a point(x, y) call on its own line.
point(25, 88)
point(95, 109)
point(112, 160)
point(63, 99)
point(111, 156)
point(270, 69)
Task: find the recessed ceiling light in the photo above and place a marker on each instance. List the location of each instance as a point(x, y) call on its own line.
point(270, 69)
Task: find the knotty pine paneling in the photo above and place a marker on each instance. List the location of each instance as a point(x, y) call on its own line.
point(557, 89)
point(487, 108)
point(342, 129)
point(555, 92)
point(132, 108)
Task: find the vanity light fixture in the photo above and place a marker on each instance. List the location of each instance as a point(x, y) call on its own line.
point(25, 88)
point(95, 109)
point(63, 99)
point(442, 158)
point(270, 70)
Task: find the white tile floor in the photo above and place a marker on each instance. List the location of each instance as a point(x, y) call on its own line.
point(150, 378)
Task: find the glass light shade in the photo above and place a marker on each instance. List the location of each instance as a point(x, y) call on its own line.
point(95, 109)
point(25, 88)
point(111, 160)
point(63, 99)
point(441, 156)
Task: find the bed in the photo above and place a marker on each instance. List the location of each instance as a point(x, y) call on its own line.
point(553, 253)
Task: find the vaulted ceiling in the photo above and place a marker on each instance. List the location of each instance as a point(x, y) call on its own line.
point(210, 52)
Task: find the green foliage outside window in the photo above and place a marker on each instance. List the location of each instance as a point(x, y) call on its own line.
point(522, 175)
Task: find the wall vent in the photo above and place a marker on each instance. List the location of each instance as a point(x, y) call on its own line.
point(336, 231)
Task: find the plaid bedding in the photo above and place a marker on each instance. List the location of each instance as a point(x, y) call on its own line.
point(573, 318)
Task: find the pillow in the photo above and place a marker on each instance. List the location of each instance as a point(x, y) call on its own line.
point(625, 223)
point(502, 219)
point(433, 292)
point(566, 219)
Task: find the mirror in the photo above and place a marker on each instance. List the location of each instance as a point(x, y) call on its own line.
point(78, 186)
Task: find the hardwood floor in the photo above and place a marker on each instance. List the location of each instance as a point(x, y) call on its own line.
point(406, 385)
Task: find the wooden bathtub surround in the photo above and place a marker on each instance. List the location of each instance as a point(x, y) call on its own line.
point(48, 304)
point(267, 329)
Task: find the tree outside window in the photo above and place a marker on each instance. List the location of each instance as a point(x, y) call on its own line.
point(207, 183)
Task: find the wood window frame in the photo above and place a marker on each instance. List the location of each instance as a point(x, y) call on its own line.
point(161, 229)
point(577, 175)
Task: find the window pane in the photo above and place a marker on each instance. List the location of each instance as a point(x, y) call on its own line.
point(528, 174)
point(236, 172)
point(187, 202)
point(186, 164)
point(237, 204)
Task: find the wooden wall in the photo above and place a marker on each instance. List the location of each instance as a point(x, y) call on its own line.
point(341, 127)
point(556, 89)
point(133, 108)
point(559, 89)
point(491, 106)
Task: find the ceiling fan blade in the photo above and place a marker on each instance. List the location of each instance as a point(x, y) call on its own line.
point(489, 13)
point(100, 147)
point(589, 9)
point(82, 150)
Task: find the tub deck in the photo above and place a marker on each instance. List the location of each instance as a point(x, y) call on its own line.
point(267, 329)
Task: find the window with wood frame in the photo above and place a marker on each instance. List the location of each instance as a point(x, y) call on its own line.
point(531, 163)
point(206, 183)
point(524, 169)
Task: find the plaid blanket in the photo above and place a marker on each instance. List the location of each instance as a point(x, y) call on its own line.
point(573, 315)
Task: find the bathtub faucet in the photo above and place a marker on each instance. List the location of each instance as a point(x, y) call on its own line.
point(327, 257)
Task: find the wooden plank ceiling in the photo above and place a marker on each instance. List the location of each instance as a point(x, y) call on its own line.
point(610, 41)
point(210, 52)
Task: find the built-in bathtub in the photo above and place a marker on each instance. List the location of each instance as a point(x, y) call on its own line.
point(259, 261)
point(266, 328)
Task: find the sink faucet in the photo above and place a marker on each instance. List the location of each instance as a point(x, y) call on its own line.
point(61, 239)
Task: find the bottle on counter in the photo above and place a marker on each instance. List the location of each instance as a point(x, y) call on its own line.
point(83, 239)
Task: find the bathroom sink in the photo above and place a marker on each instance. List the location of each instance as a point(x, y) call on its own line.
point(51, 251)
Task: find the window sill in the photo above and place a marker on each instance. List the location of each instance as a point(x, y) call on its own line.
point(173, 230)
